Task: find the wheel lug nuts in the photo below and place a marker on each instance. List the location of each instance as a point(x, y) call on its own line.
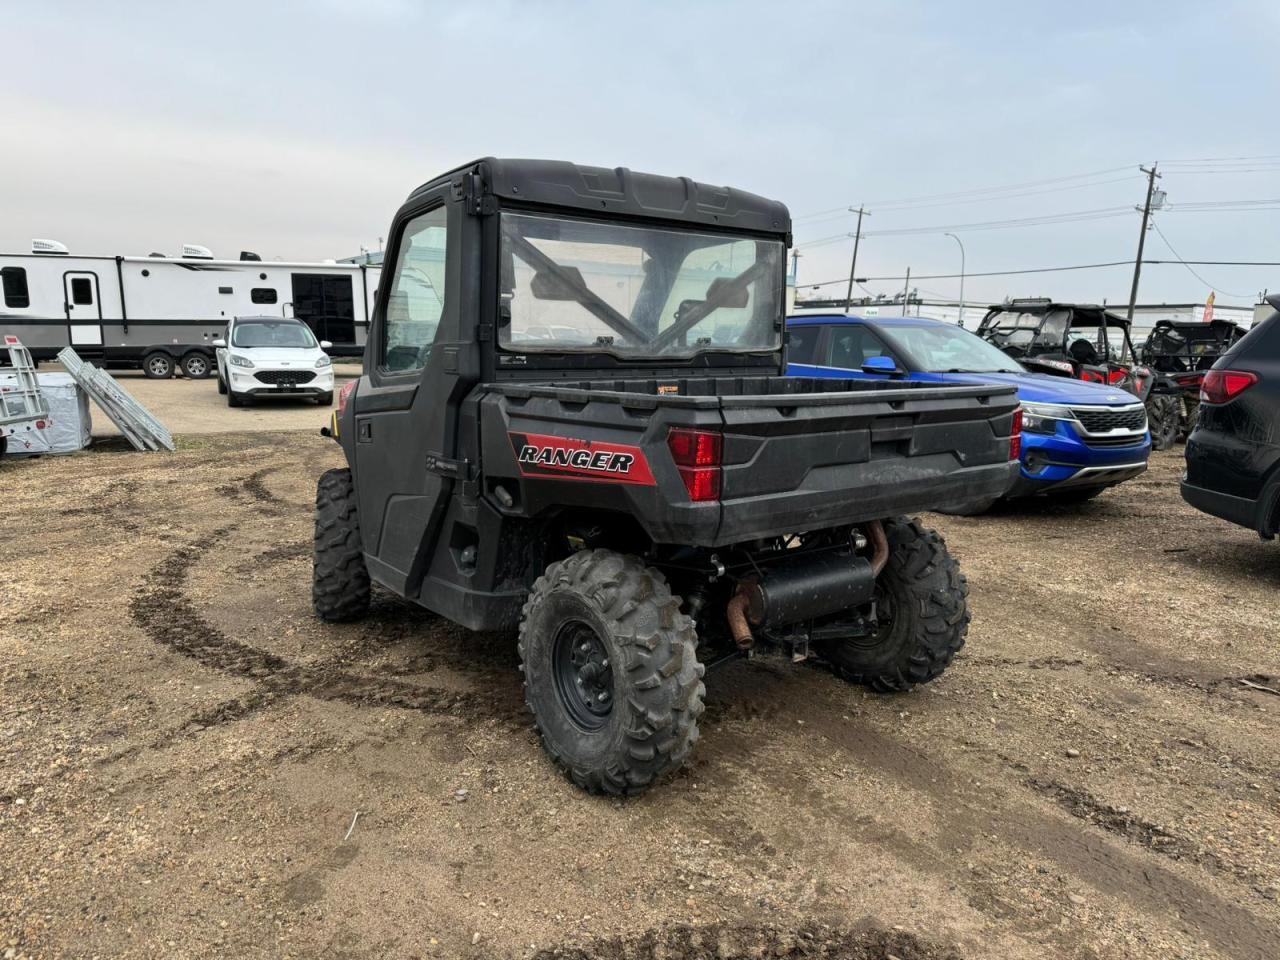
point(602, 697)
point(585, 648)
point(604, 663)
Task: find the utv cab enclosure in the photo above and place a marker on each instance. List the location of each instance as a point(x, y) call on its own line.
point(573, 421)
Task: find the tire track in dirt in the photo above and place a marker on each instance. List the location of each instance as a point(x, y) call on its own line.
point(1092, 858)
point(161, 608)
point(726, 942)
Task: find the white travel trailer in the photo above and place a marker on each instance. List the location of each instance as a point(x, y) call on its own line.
point(163, 313)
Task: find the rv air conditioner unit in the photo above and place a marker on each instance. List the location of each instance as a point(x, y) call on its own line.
point(49, 246)
point(250, 255)
point(193, 251)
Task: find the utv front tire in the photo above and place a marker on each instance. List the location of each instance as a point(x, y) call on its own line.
point(611, 672)
point(340, 580)
point(922, 608)
point(1164, 419)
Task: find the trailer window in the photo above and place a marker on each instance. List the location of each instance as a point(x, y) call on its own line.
point(416, 301)
point(14, 280)
point(263, 295)
point(81, 291)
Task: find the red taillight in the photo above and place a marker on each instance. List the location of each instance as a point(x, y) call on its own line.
point(697, 455)
point(1092, 376)
point(1219, 386)
point(344, 395)
point(1015, 438)
point(1117, 376)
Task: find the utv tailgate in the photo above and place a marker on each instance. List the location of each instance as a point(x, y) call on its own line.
point(799, 454)
point(860, 454)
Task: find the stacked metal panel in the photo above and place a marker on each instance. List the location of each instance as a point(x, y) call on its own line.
point(24, 412)
point(141, 429)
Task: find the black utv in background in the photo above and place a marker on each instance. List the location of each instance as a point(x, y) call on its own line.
point(1178, 353)
point(573, 420)
point(1233, 454)
point(1080, 340)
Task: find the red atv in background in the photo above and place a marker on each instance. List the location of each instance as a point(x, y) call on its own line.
point(1079, 340)
point(1179, 353)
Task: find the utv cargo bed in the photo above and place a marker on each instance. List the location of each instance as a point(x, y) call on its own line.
point(797, 451)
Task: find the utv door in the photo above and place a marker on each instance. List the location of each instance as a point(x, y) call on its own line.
point(405, 414)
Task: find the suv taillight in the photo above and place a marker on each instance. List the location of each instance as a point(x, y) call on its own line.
point(1015, 438)
point(344, 395)
point(697, 455)
point(1219, 386)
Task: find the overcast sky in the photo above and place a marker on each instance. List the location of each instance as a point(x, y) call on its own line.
point(296, 129)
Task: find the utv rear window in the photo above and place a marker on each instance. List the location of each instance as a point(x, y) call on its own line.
point(15, 287)
point(263, 295)
point(576, 285)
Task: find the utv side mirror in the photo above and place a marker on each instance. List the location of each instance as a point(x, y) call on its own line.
point(326, 344)
point(219, 342)
point(884, 365)
point(548, 286)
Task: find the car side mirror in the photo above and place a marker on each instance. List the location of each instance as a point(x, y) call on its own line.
point(326, 344)
point(219, 342)
point(883, 365)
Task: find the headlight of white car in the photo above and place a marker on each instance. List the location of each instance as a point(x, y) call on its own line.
point(324, 361)
point(238, 361)
point(1043, 417)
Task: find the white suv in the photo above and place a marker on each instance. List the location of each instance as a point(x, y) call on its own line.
point(273, 356)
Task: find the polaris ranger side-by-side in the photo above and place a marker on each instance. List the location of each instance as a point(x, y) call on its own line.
point(573, 420)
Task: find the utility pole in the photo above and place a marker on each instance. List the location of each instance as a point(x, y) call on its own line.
point(1142, 237)
point(853, 265)
point(906, 293)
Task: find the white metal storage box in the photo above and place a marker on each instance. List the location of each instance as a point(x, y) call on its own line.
point(70, 422)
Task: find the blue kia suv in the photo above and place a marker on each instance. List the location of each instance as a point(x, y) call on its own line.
point(1078, 438)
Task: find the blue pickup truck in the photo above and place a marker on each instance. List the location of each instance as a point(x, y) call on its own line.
point(1078, 438)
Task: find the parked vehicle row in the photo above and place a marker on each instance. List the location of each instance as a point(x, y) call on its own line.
point(1078, 437)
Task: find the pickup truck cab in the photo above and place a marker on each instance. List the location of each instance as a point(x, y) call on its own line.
point(573, 424)
point(1078, 438)
point(272, 357)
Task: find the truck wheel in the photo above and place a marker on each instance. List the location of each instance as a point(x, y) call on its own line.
point(1164, 416)
point(923, 613)
point(340, 580)
point(611, 672)
point(974, 508)
point(158, 365)
point(195, 366)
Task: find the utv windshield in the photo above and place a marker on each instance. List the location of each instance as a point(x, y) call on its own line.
point(579, 285)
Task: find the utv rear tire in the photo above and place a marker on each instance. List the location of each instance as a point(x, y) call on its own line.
point(340, 581)
point(1164, 419)
point(974, 508)
point(611, 672)
point(923, 608)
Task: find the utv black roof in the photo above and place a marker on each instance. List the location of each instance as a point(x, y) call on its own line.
point(1194, 325)
point(621, 192)
point(1044, 305)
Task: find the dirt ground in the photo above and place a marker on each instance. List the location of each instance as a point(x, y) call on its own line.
point(184, 751)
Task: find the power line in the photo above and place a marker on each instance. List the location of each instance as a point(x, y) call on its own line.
point(969, 193)
point(990, 273)
point(1103, 213)
point(1155, 226)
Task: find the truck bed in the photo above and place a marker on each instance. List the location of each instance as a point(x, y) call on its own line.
point(799, 453)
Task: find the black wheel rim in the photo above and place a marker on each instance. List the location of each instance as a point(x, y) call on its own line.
point(583, 674)
point(884, 623)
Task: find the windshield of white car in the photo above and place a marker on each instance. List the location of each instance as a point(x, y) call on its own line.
point(947, 349)
point(266, 333)
point(574, 285)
